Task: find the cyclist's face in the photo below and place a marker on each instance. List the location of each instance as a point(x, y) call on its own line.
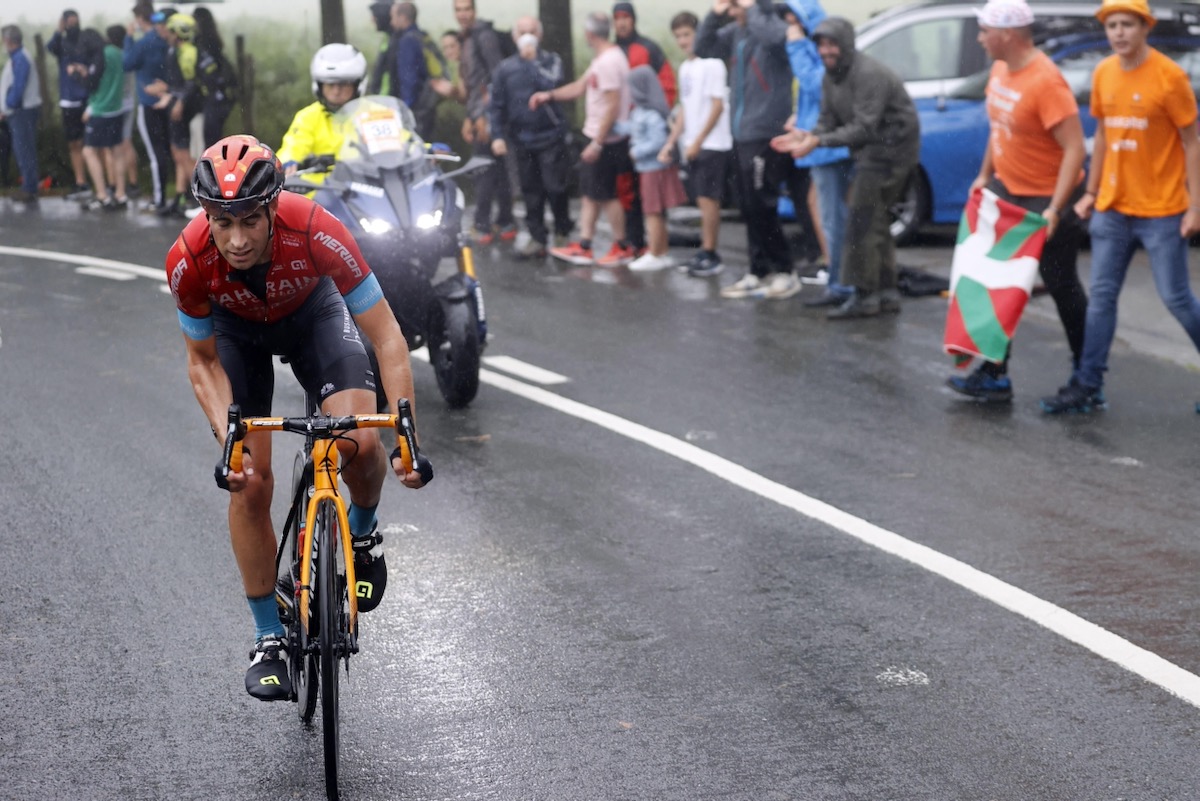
point(244, 241)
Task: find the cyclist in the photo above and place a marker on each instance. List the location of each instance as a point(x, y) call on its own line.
point(338, 72)
point(264, 274)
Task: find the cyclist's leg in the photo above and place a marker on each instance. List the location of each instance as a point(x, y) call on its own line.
point(249, 367)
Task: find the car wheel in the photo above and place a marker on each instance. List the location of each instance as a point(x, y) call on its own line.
point(911, 211)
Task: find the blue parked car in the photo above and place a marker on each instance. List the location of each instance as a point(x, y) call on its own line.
point(954, 127)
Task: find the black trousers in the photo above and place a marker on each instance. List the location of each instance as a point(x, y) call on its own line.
point(543, 176)
point(492, 189)
point(761, 172)
point(155, 127)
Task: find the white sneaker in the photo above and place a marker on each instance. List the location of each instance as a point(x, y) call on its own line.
point(781, 285)
point(748, 286)
point(820, 279)
point(648, 262)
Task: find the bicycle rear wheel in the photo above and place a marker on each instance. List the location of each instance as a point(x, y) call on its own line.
point(303, 659)
point(331, 603)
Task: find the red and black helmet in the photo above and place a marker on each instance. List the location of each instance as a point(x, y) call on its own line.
point(236, 176)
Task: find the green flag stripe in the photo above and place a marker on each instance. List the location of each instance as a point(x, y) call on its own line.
point(1014, 238)
point(979, 318)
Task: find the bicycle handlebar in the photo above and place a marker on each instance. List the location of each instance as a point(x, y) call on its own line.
point(320, 425)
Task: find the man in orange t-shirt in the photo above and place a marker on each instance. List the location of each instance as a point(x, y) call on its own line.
point(1034, 159)
point(1146, 158)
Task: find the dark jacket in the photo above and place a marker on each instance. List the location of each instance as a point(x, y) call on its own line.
point(66, 48)
point(864, 105)
point(760, 74)
point(481, 54)
point(513, 82)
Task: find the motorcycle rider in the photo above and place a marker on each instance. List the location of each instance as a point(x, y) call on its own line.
point(338, 76)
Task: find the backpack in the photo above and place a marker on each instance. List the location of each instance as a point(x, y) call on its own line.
point(507, 46)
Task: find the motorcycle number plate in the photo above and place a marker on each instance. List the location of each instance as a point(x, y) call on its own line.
point(382, 131)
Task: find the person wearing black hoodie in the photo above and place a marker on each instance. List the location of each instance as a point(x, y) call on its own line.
point(864, 106)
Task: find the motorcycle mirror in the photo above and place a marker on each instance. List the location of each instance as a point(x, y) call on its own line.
point(476, 163)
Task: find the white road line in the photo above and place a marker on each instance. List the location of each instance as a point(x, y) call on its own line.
point(1150, 666)
point(107, 272)
point(525, 370)
point(90, 261)
point(1099, 641)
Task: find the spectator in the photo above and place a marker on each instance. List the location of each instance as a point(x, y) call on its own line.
point(702, 129)
point(1034, 159)
point(658, 177)
point(864, 106)
point(215, 76)
point(831, 167)
point(146, 57)
point(5, 152)
point(750, 36)
point(605, 89)
point(20, 105)
point(537, 136)
point(1145, 160)
point(180, 96)
point(72, 95)
point(451, 42)
point(417, 68)
point(102, 120)
point(118, 36)
point(482, 52)
point(639, 50)
point(380, 81)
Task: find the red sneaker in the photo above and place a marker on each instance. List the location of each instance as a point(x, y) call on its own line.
point(617, 256)
point(574, 253)
point(508, 233)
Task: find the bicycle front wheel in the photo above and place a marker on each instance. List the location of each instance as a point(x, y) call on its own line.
point(304, 660)
point(331, 600)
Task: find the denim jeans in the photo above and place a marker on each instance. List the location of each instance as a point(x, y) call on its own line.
point(22, 123)
point(1115, 236)
point(833, 185)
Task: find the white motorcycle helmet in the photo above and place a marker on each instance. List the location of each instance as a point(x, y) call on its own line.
point(338, 63)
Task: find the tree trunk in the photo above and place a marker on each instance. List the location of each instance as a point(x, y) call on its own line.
point(333, 22)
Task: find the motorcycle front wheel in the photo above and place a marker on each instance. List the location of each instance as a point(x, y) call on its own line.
point(455, 351)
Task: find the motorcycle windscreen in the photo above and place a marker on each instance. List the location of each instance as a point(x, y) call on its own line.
point(381, 130)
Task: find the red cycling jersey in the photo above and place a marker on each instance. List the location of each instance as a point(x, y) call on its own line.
point(308, 243)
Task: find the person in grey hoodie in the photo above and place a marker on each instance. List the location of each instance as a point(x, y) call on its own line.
point(864, 106)
point(754, 43)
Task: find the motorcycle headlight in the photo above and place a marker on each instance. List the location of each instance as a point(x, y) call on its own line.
point(429, 220)
point(374, 225)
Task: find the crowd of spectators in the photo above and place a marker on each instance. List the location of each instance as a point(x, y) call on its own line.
point(772, 95)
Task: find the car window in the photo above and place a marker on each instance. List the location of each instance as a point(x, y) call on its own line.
point(924, 51)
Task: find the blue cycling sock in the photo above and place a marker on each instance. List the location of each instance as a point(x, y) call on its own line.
point(266, 617)
point(361, 519)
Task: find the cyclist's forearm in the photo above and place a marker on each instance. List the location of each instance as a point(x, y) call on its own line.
point(213, 391)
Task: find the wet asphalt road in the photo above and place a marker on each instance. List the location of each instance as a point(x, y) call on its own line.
point(574, 615)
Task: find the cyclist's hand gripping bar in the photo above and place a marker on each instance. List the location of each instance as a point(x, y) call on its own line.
point(406, 445)
point(231, 456)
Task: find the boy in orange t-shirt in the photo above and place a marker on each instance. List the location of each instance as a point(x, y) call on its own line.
point(1145, 160)
point(1034, 159)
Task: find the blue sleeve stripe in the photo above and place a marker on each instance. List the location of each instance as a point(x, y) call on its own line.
point(196, 328)
point(365, 295)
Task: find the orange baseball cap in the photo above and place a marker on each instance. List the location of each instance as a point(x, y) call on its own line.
point(1137, 7)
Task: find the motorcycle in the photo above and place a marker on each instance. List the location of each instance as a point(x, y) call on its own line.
point(406, 216)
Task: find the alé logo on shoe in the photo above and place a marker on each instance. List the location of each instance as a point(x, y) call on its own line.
point(269, 680)
point(364, 589)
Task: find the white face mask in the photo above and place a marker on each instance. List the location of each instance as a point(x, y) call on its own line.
point(527, 42)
